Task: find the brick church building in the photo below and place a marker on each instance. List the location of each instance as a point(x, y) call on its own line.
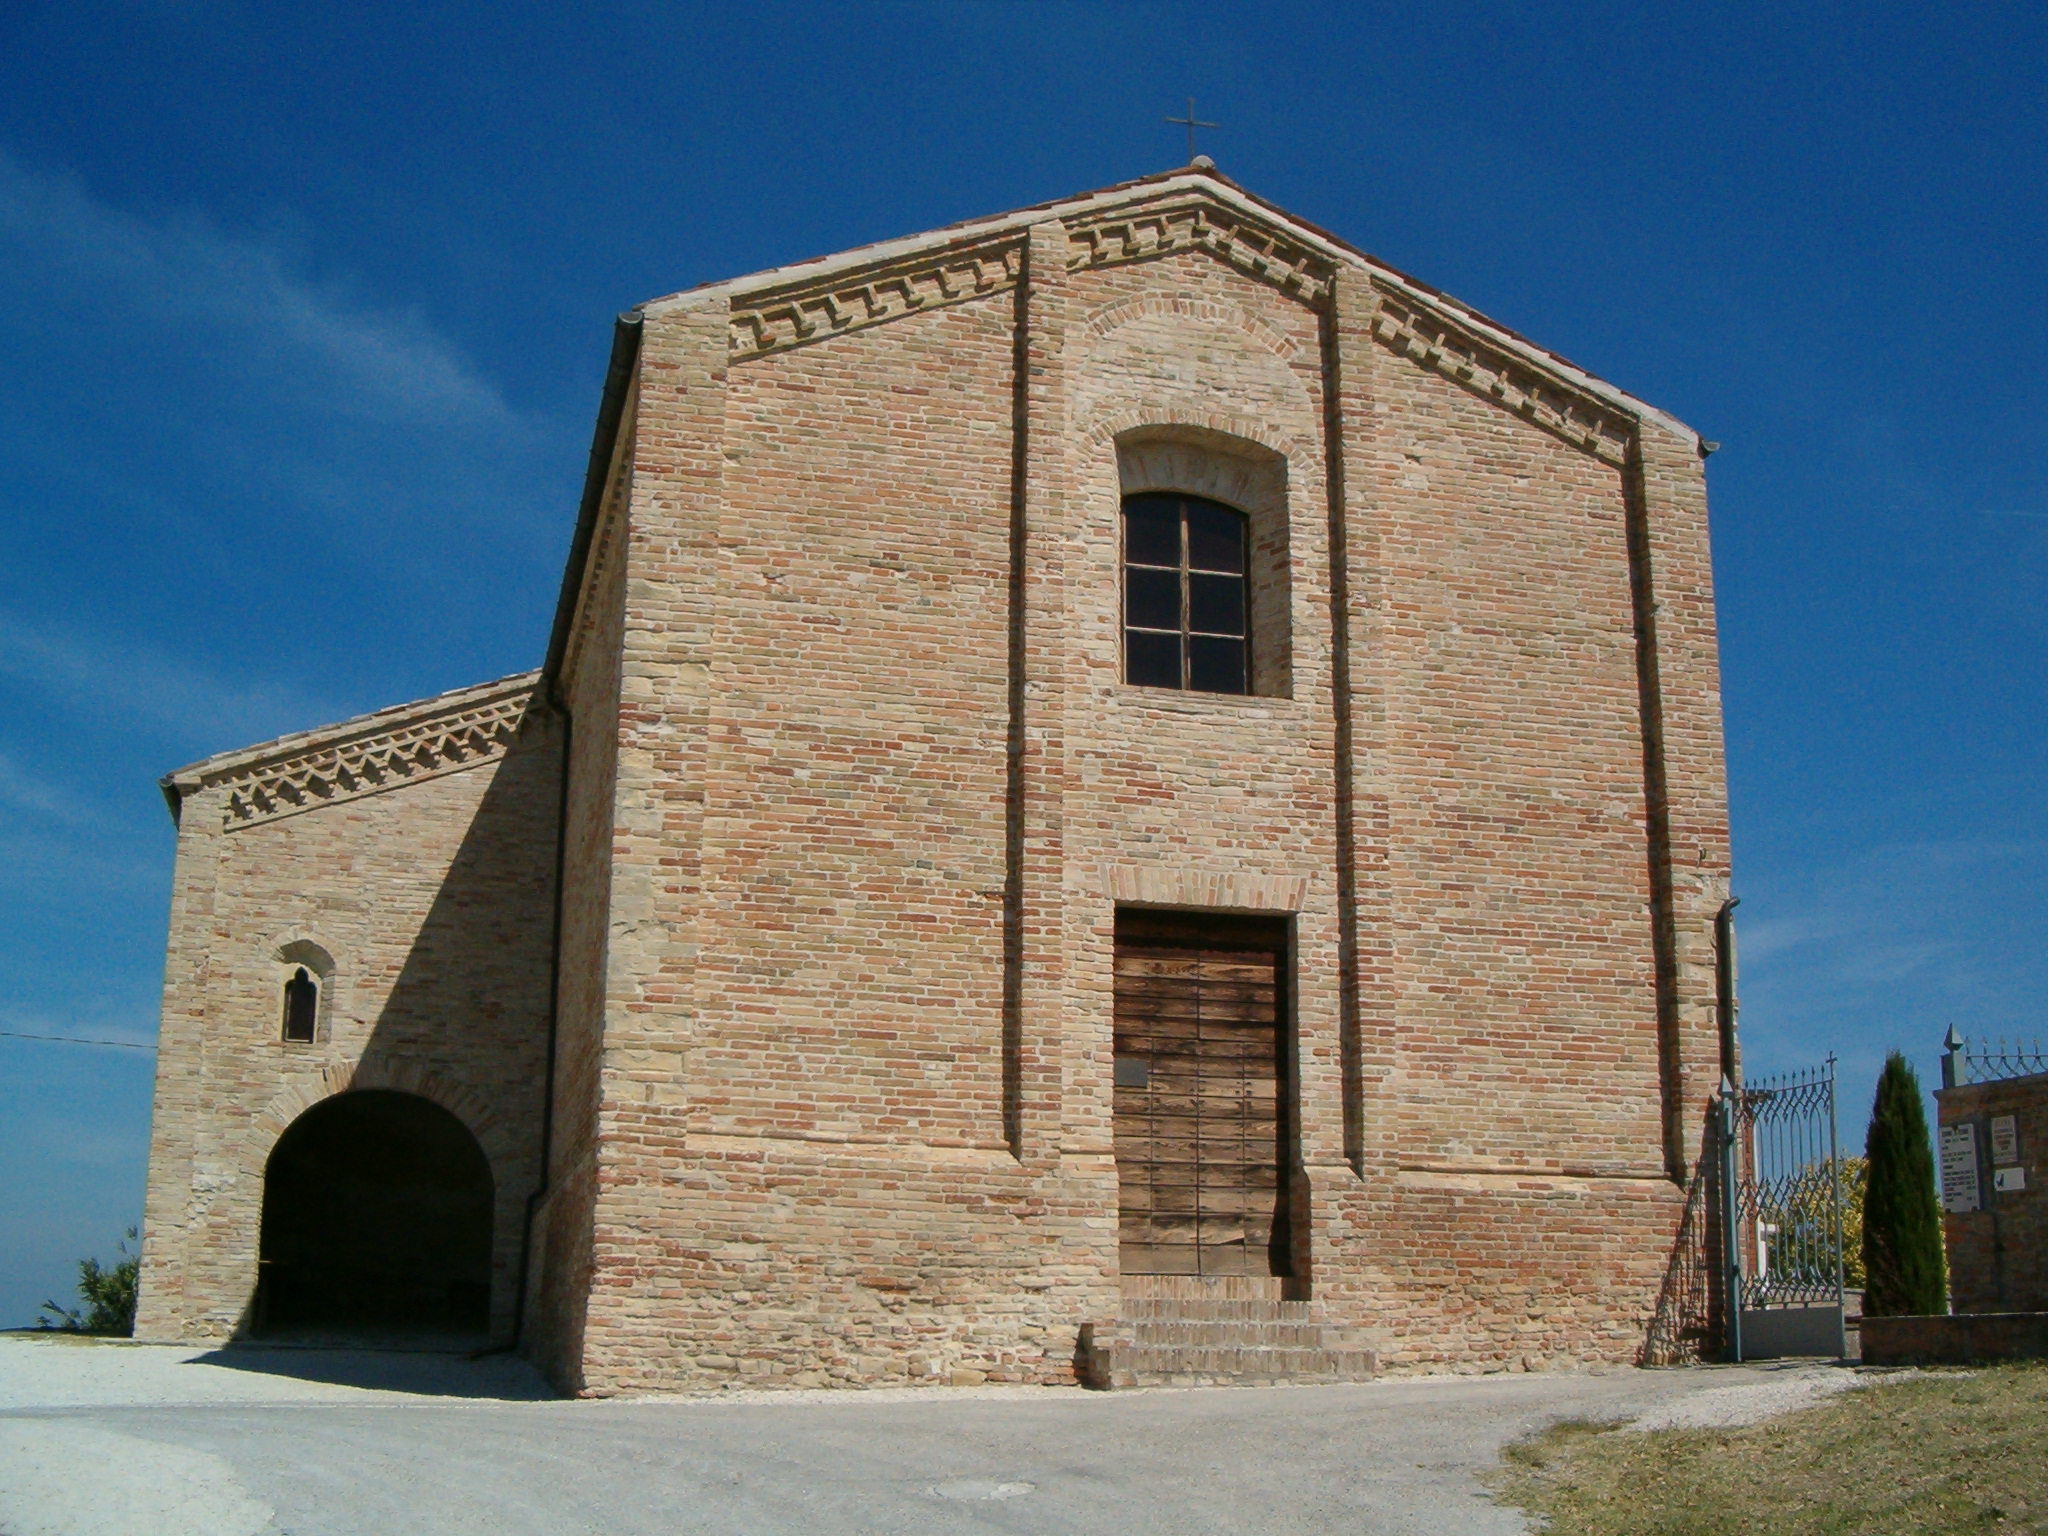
point(1119, 790)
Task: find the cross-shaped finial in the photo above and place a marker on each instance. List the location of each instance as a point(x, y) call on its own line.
point(1191, 123)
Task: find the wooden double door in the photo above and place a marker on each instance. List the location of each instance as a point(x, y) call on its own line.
point(1202, 1109)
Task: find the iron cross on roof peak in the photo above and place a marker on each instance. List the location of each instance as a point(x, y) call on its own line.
point(1191, 123)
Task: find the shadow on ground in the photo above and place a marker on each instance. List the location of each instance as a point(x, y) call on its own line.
point(503, 1376)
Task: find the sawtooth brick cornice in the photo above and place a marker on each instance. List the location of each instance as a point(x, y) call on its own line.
point(1406, 322)
point(1433, 340)
point(793, 314)
point(1193, 208)
point(1255, 246)
point(361, 757)
point(777, 319)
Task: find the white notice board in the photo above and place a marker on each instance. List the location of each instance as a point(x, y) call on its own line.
point(1959, 1168)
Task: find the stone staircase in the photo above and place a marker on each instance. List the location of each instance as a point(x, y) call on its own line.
point(1181, 1331)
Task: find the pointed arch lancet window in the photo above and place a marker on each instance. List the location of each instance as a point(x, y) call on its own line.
point(1186, 610)
point(301, 1007)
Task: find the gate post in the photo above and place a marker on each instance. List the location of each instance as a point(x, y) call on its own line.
point(1835, 1171)
point(1731, 1252)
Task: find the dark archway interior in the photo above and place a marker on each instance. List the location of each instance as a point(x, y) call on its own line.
point(376, 1218)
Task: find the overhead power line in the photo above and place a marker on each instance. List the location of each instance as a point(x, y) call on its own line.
point(124, 1045)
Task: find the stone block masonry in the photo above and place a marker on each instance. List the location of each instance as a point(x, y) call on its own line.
point(855, 790)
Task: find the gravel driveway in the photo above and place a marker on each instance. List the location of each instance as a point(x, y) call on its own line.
point(116, 1438)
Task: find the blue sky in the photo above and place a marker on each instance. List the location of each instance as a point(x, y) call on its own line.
point(304, 311)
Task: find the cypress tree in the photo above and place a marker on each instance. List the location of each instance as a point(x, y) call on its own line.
point(1904, 1273)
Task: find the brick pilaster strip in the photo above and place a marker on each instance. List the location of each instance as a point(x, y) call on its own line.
point(1686, 766)
point(1048, 1104)
point(672, 566)
point(1358, 601)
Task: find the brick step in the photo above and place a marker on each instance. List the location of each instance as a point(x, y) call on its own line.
point(1175, 1309)
point(1122, 1363)
point(1182, 1343)
point(1182, 1333)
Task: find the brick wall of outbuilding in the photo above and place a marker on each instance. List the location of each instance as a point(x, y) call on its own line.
point(1998, 1254)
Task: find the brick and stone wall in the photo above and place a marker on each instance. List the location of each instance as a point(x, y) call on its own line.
point(1998, 1253)
point(880, 790)
point(408, 855)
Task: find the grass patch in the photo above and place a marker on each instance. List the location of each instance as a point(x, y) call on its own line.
point(1939, 1453)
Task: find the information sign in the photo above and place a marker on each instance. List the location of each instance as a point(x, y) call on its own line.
point(1959, 1169)
point(2005, 1140)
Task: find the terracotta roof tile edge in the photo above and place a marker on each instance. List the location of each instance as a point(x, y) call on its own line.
point(183, 781)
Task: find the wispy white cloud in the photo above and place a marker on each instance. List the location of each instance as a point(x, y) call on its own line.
point(227, 388)
point(184, 267)
point(112, 678)
point(1889, 914)
point(23, 793)
point(1884, 948)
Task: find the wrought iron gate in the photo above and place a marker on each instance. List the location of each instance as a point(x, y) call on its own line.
point(1782, 1228)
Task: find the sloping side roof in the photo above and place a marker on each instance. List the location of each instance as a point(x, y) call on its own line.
point(359, 756)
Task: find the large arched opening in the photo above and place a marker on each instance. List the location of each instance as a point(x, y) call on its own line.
point(376, 1221)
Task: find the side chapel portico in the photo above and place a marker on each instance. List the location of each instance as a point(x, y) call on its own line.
point(1099, 771)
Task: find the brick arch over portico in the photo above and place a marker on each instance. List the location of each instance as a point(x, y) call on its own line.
point(336, 1077)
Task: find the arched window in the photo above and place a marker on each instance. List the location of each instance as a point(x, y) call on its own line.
point(301, 1006)
point(1186, 614)
point(307, 980)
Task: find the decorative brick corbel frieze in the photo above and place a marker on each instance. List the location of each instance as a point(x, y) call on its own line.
point(1433, 340)
point(1261, 249)
point(792, 314)
point(469, 733)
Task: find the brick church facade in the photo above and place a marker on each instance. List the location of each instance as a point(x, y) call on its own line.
point(1113, 769)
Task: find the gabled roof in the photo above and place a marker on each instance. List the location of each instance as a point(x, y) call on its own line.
point(788, 305)
point(1203, 178)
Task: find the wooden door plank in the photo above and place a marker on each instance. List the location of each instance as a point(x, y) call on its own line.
point(1197, 1145)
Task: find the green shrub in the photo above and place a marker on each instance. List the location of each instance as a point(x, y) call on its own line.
point(1855, 1183)
point(1806, 1216)
point(108, 1294)
point(1905, 1273)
